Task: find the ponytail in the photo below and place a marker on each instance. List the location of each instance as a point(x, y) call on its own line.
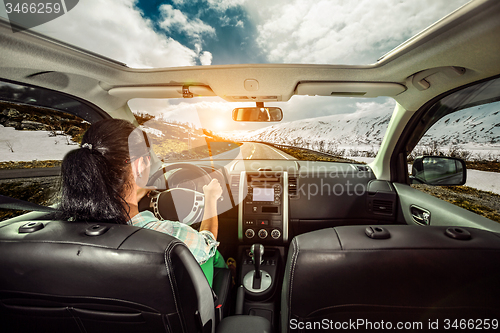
point(96, 177)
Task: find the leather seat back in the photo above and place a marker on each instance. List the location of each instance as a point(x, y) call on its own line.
point(72, 277)
point(418, 274)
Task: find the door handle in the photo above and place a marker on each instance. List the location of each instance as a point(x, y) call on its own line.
point(420, 215)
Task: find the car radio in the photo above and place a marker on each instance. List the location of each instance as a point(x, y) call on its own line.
point(267, 194)
point(264, 210)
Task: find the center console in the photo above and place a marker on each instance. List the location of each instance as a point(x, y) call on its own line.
point(260, 279)
point(262, 232)
point(263, 212)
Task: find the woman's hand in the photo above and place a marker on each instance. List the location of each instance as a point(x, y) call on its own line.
point(212, 191)
point(142, 191)
point(210, 222)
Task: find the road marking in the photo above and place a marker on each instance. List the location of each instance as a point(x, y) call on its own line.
point(286, 158)
point(253, 151)
point(251, 154)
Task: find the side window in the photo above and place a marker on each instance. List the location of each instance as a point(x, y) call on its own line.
point(37, 128)
point(467, 126)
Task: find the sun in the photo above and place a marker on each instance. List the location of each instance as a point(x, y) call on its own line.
point(219, 123)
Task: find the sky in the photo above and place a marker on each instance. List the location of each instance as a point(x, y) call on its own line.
point(158, 33)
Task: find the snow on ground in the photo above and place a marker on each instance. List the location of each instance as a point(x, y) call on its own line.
point(484, 180)
point(152, 131)
point(33, 145)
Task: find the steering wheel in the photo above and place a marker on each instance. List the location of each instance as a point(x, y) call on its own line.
point(188, 203)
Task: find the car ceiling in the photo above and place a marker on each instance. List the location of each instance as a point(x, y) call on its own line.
point(467, 38)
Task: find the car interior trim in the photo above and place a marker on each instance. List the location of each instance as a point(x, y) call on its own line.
point(355, 89)
point(286, 200)
point(159, 91)
point(241, 199)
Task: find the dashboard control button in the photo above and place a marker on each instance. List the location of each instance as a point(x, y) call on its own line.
point(249, 222)
point(249, 233)
point(275, 234)
point(263, 222)
point(262, 233)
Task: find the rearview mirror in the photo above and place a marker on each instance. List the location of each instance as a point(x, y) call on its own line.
point(262, 114)
point(438, 170)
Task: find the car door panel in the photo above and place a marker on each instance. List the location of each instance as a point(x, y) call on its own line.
point(441, 212)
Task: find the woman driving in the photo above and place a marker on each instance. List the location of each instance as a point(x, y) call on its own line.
point(106, 177)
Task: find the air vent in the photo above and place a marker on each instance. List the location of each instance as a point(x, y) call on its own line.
point(235, 185)
point(382, 207)
point(292, 187)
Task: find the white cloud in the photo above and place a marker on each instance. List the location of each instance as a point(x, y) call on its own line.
point(224, 5)
point(116, 29)
point(337, 31)
point(206, 58)
point(220, 5)
point(371, 108)
point(175, 19)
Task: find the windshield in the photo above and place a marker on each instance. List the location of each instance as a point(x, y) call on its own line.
point(313, 128)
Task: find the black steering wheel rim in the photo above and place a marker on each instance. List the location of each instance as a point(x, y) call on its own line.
point(203, 173)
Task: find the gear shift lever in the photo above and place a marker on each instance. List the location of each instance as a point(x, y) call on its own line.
point(257, 252)
point(257, 281)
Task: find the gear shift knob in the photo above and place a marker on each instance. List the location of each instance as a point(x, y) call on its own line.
point(257, 281)
point(257, 252)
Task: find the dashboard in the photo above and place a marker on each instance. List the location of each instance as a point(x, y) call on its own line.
point(271, 201)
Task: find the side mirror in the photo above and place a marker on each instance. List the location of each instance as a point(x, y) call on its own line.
point(262, 114)
point(438, 170)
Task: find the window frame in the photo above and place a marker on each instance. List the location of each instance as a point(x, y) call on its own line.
point(399, 162)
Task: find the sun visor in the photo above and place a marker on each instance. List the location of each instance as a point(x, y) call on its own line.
point(349, 89)
point(161, 92)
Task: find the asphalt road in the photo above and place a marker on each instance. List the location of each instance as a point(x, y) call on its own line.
point(30, 173)
point(254, 151)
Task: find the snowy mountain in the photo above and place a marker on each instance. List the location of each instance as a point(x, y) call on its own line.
point(482, 126)
point(364, 130)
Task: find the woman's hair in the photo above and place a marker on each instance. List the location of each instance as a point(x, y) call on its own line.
point(96, 177)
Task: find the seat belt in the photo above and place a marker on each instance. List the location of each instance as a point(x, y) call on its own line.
point(17, 204)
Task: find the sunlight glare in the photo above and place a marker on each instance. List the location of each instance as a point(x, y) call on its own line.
point(220, 123)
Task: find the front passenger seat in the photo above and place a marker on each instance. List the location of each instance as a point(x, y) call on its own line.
point(62, 276)
point(367, 278)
